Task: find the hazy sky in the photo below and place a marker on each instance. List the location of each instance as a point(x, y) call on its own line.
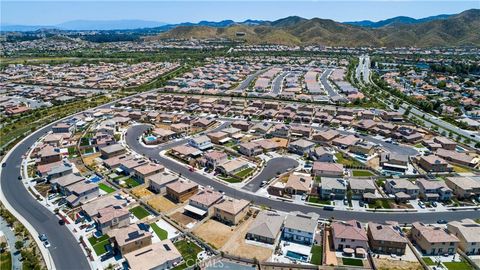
point(54, 12)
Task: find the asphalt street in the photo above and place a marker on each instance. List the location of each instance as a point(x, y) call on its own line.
point(278, 83)
point(134, 133)
point(65, 249)
point(273, 167)
point(245, 83)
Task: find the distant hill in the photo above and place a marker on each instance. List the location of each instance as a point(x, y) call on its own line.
point(108, 25)
point(454, 30)
point(397, 20)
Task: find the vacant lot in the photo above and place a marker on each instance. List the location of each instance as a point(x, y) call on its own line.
point(90, 159)
point(237, 246)
point(141, 192)
point(214, 232)
point(384, 264)
point(161, 204)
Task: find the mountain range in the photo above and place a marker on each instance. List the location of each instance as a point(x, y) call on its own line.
point(445, 30)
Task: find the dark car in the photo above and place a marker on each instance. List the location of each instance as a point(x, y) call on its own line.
point(61, 222)
point(442, 221)
point(4, 164)
point(19, 177)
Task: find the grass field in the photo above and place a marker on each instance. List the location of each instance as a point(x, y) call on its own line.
point(352, 262)
point(139, 212)
point(460, 169)
point(230, 179)
point(106, 188)
point(318, 200)
point(5, 261)
point(189, 252)
point(99, 244)
point(457, 265)
point(347, 161)
point(317, 255)
point(161, 233)
point(131, 183)
point(428, 261)
point(360, 173)
point(245, 173)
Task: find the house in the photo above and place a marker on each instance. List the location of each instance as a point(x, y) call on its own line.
point(143, 171)
point(468, 232)
point(349, 234)
point(185, 152)
point(112, 217)
point(159, 256)
point(362, 148)
point(464, 187)
point(231, 211)
point(386, 239)
point(180, 128)
point(130, 238)
point(49, 154)
point(218, 137)
point(63, 128)
point(60, 184)
point(345, 141)
point(202, 142)
point(299, 184)
point(301, 147)
point(393, 162)
point(300, 228)
point(434, 190)
point(266, 228)
point(446, 144)
point(332, 188)
point(232, 167)
point(328, 169)
point(242, 125)
point(158, 182)
point(326, 136)
point(215, 158)
point(115, 162)
point(359, 187)
point(280, 130)
point(321, 154)
point(60, 170)
point(91, 208)
point(301, 131)
point(202, 202)
point(80, 193)
point(250, 149)
point(433, 240)
point(180, 191)
point(160, 135)
point(456, 157)
point(403, 189)
point(112, 151)
point(432, 163)
point(262, 128)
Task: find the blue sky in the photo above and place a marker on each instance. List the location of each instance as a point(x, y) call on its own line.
point(54, 12)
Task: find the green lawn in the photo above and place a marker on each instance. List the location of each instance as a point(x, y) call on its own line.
point(189, 251)
point(139, 212)
point(161, 233)
point(460, 169)
point(131, 183)
point(99, 244)
point(419, 145)
point(318, 200)
point(457, 265)
point(230, 179)
point(352, 262)
point(428, 261)
point(245, 173)
point(362, 173)
point(380, 204)
point(5, 261)
point(347, 161)
point(106, 188)
point(72, 150)
point(93, 240)
point(317, 255)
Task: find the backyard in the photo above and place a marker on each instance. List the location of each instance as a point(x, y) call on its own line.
point(161, 233)
point(361, 173)
point(317, 255)
point(99, 244)
point(347, 160)
point(214, 233)
point(457, 265)
point(5, 261)
point(106, 188)
point(161, 203)
point(139, 212)
point(189, 251)
point(352, 262)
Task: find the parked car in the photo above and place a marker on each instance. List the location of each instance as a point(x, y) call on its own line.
point(46, 244)
point(442, 221)
point(4, 165)
point(43, 237)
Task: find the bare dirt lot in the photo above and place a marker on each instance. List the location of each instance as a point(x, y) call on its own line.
point(90, 159)
point(236, 245)
point(384, 264)
point(161, 203)
point(214, 232)
point(141, 192)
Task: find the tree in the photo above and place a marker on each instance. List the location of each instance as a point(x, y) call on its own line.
point(19, 245)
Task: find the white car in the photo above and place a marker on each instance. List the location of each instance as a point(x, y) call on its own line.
point(46, 244)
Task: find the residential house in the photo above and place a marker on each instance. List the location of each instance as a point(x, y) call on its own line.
point(218, 137)
point(464, 187)
point(359, 187)
point(130, 238)
point(435, 164)
point(159, 256)
point(301, 147)
point(386, 239)
point(158, 182)
point(326, 136)
point(215, 158)
point(112, 217)
point(148, 169)
point(434, 190)
point(332, 188)
point(299, 184)
point(433, 240)
point(202, 142)
point(232, 167)
point(393, 162)
point(250, 149)
point(403, 189)
point(468, 232)
point(112, 151)
point(321, 154)
point(300, 228)
point(266, 228)
point(180, 191)
point(328, 169)
point(349, 234)
point(80, 193)
point(446, 144)
point(231, 211)
point(202, 202)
